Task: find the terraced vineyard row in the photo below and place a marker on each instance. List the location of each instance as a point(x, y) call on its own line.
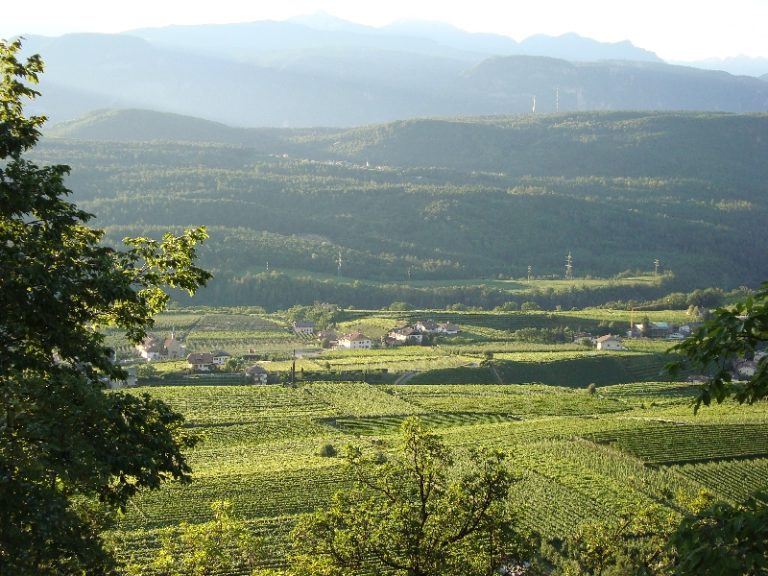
point(581, 456)
point(286, 492)
point(359, 399)
point(517, 399)
point(602, 370)
point(731, 480)
point(669, 444)
point(387, 425)
point(462, 375)
point(137, 546)
point(240, 404)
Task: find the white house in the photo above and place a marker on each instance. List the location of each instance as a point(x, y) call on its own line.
point(305, 327)
point(154, 348)
point(354, 341)
point(406, 335)
point(200, 361)
point(609, 342)
point(448, 328)
point(426, 326)
point(220, 357)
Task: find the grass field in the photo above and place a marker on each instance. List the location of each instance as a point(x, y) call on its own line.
point(513, 286)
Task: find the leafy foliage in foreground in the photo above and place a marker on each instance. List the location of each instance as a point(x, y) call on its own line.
point(411, 516)
point(731, 335)
point(68, 452)
point(220, 546)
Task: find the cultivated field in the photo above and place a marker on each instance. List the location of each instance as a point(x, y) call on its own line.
point(591, 434)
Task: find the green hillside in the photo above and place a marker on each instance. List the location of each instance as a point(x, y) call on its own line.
point(616, 190)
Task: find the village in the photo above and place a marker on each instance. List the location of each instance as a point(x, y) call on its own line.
point(253, 366)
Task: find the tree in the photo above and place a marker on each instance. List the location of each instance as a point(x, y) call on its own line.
point(730, 334)
point(633, 544)
point(223, 545)
point(234, 364)
point(415, 515)
point(69, 452)
point(724, 539)
point(146, 371)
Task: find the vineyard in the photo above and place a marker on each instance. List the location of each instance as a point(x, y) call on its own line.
point(580, 455)
point(591, 434)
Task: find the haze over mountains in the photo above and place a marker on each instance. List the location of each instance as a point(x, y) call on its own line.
point(417, 152)
point(321, 71)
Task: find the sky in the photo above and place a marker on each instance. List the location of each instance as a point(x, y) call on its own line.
point(676, 30)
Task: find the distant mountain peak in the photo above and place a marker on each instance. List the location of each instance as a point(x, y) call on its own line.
point(573, 46)
point(328, 23)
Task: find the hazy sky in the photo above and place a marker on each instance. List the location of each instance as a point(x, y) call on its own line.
point(674, 29)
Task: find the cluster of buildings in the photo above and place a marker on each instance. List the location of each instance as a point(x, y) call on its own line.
point(416, 333)
point(643, 330)
point(402, 335)
point(662, 330)
point(154, 347)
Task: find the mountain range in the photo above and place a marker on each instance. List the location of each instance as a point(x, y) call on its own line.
point(321, 71)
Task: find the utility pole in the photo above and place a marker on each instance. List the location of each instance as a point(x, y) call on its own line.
point(530, 273)
point(338, 264)
point(656, 264)
point(569, 267)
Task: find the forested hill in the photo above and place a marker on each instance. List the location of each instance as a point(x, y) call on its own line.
point(727, 147)
point(434, 199)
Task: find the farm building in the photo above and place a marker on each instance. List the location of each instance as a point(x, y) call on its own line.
point(406, 335)
point(258, 374)
point(220, 357)
point(305, 327)
point(448, 328)
point(609, 342)
point(200, 361)
point(354, 341)
point(151, 348)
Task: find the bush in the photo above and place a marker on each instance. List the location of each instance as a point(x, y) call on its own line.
point(327, 451)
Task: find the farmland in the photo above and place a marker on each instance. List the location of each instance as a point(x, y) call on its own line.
point(591, 434)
